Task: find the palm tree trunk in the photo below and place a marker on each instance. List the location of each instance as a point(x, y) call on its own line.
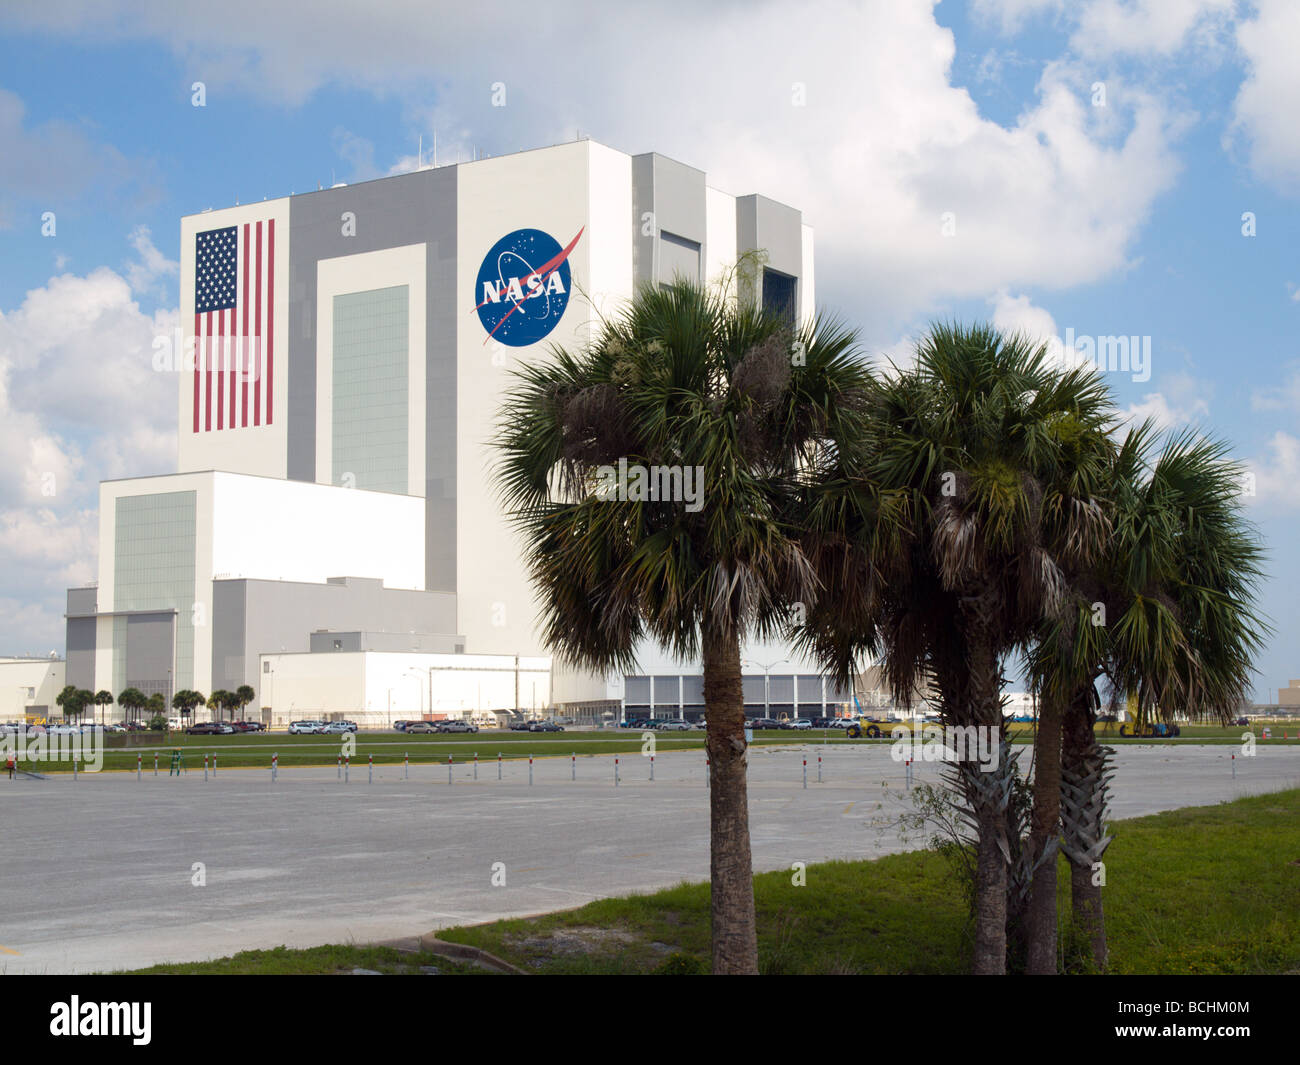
point(1084, 784)
point(1043, 835)
point(731, 868)
point(988, 798)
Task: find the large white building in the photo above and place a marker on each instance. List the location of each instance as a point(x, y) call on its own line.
point(339, 372)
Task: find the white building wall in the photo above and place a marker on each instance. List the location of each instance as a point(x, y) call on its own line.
point(549, 190)
point(27, 682)
point(808, 281)
point(296, 531)
point(376, 687)
point(263, 449)
point(720, 233)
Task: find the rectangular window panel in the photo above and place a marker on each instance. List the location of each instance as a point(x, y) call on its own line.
point(370, 389)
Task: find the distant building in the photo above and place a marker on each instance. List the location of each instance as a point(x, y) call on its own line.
point(29, 687)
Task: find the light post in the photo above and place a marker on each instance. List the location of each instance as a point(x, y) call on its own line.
point(414, 671)
point(767, 680)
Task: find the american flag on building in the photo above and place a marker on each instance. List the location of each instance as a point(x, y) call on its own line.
point(234, 325)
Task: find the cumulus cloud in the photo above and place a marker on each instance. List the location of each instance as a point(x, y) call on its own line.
point(79, 403)
point(918, 197)
point(1265, 108)
point(1277, 473)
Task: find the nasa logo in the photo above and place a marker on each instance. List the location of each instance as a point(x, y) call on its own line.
point(523, 287)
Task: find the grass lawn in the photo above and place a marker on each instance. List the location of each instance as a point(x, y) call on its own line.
point(1212, 889)
point(315, 961)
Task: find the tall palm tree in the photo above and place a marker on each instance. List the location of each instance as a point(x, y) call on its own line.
point(689, 379)
point(1176, 587)
point(945, 528)
point(103, 698)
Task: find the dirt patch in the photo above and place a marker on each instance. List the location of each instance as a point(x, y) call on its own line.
point(567, 942)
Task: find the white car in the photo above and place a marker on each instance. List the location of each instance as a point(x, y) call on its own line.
point(306, 727)
point(801, 723)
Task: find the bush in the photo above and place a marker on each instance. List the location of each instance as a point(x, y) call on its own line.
point(158, 723)
point(680, 964)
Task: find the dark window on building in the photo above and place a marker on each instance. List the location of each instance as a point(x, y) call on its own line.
point(779, 295)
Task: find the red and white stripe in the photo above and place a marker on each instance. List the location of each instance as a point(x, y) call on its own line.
point(234, 350)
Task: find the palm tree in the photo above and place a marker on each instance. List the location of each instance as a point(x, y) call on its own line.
point(218, 701)
point(946, 528)
point(66, 700)
point(1177, 586)
point(103, 698)
point(245, 695)
point(131, 700)
point(690, 380)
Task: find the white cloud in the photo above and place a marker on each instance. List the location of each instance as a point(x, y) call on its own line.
point(79, 403)
point(148, 273)
point(1285, 397)
point(1167, 413)
point(1266, 105)
point(1150, 27)
point(1277, 473)
point(884, 148)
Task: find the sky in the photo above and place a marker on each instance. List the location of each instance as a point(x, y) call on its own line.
point(1071, 168)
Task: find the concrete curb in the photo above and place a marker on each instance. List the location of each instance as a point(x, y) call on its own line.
point(461, 952)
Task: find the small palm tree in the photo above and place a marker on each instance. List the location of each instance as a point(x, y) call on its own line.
point(103, 698)
point(1175, 592)
point(690, 380)
point(245, 695)
point(946, 529)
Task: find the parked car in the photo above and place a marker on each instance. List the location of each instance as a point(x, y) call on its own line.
point(522, 726)
point(335, 728)
point(400, 726)
point(676, 726)
point(204, 728)
point(456, 726)
point(420, 726)
point(1243, 722)
point(799, 724)
point(305, 728)
point(545, 726)
point(760, 723)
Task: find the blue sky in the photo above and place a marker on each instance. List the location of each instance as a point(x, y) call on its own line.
point(878, 120)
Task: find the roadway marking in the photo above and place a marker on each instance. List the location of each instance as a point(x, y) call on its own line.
point(6, 950)
point(850, 806)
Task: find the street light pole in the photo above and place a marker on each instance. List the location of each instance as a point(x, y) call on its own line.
point(767, 681)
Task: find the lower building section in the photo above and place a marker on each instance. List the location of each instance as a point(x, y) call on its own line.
point(376, 688)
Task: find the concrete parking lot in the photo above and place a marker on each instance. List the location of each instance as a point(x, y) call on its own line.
point(104, 872)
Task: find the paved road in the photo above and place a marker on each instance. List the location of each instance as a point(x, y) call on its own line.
point(101, 878)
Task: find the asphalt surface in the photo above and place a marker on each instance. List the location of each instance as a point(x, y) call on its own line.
point(104, 872)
